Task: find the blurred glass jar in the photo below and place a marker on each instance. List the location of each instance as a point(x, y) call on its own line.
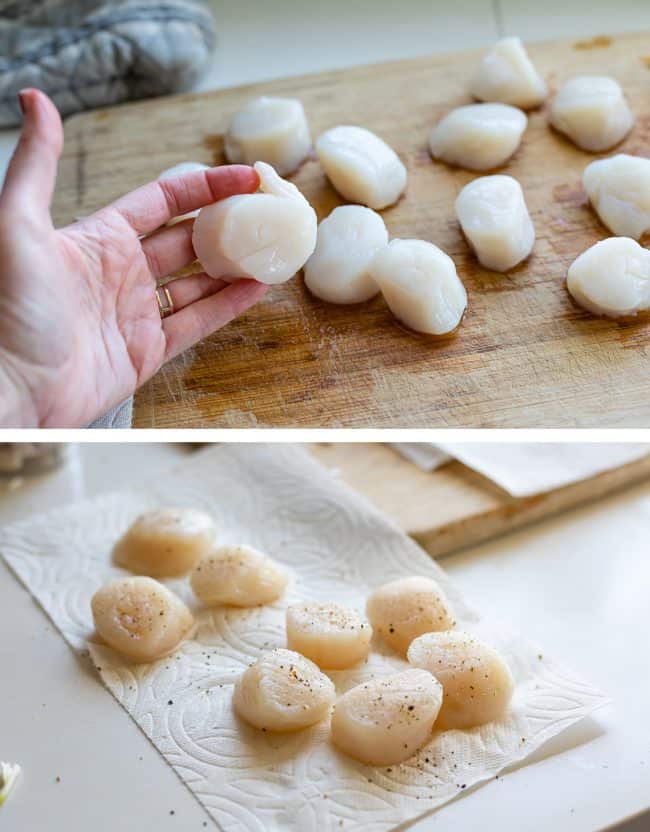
point(20, 459)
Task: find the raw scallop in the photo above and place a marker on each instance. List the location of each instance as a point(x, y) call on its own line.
point(493, 215)
point(478, 136)
point(331, 635)
point(592, 112)
point(283, 691)
point(612, 278)
point(506, 74)
point(385, 721)
point(619, 190)
point(239, 576)
point(361, 166)
point(348, 239)
point(476, 682)
point(141, 618)
point(404, 609)
point(420, 285)
point(266, 236)
point(271, 130)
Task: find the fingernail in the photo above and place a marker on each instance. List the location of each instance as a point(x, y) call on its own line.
point(21, 100)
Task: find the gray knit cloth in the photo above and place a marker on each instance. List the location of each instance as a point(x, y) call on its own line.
point(117, 417)
point(93, 53)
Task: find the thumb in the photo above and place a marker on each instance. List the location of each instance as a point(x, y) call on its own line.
point(31, 175)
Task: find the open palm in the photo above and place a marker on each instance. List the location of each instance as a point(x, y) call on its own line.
point(80, 325)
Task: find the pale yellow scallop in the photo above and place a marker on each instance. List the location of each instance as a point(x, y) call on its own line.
point(283, 691)
point(140, 618)
point(406, 608)
point(477, 683)
point(238, 576)
point(331, 635)
point(165, 542)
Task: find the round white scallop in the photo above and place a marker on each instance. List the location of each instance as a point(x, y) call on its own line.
point(239, 576)
point(619, 190)
point(330, 634)
point(348, 239)
point(478, 136)
point(361, 166)
point(272, 130)
point(283, 691)
point(592, 112)
point(140, 618)
point(494, 217)
point(402, 610)
point(420, 285)
point(477, 683)
point(385, 721)
point(612, 278)
point(266, 236)
point(165, 542)
point(507, 75)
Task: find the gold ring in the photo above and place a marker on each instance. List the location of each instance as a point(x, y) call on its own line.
point(165, 302)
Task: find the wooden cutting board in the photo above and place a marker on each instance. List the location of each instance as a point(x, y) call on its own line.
point(525, 356)
point(453, 506)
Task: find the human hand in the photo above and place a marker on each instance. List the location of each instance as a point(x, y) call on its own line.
point(80, 324)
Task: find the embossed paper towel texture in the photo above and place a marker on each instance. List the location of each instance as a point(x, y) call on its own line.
point(337, 547)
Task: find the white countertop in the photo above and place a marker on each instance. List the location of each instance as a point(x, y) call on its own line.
point(578, 585)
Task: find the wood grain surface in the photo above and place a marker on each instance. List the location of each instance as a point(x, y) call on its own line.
point(524, 356)
point(454, 507)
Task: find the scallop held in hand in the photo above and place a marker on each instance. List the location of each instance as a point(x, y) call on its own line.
point(477, 683)
point(385, 721)
point(330, 634)
point(592, 112)
point(283, 691)
point(165, 542)
point(612, 278)
point(494, 217)
point(420, 284)
point(238, 576)
point(140, 618)
point(361, 166)
point(267, 236)
point(619, 190)
point(478, 136)
point(272, 130)
point(404, 609)
point(338, 270)
point(507, 75)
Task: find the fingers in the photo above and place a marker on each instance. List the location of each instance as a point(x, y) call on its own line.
point(200, 319)
point(169, 249)
point(31, 174)
point(187, 290)
point(152, 205)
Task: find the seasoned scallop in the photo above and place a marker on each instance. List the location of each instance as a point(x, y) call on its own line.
point(619, 190)
point(478, 136)
point(507, 75)
point(476, 682)
point(404, 609)
point(385, 721)
point(612, 278)
point(238, 576)
point(140, 618)
point(592, 112)
point(331, 635)
point(266, 236)
point(493, 215)
point(348, 239)
point(283, 691)
point(271, 130)
point(361, 166)
point(165, 542)
point(420, 285)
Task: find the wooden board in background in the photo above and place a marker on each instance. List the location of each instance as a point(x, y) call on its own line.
point(453, 506)
point(525, 356)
